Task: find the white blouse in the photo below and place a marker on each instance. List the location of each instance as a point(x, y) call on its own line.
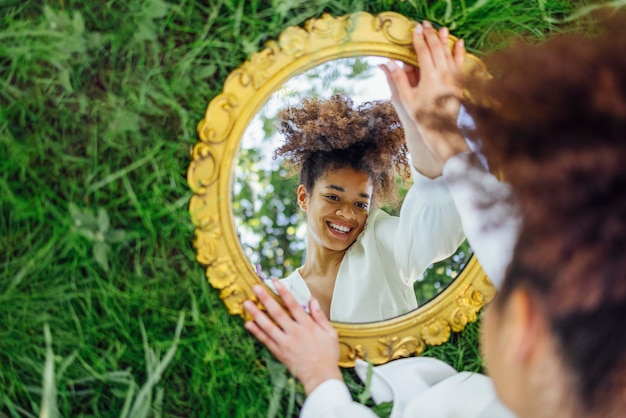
point(376, 276)
point(427, 387)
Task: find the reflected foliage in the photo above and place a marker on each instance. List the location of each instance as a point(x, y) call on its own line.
point(439, 275)
point(266, 215)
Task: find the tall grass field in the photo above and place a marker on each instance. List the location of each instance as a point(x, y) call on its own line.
point(104, 311)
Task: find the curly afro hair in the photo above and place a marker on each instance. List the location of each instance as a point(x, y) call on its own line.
point(329, 134)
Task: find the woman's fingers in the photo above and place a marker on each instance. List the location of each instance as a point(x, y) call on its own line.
point(296, 310)
point(262, 336)
point(401, 81)
point(390, 81)
point(308, 346)
point(459, 55)
point(263, 327)
point(433, 50)
point(444, 37)
point(435, 46)
point(412, 74)
point(424, 58)
point(318, 316)
point(274, 310)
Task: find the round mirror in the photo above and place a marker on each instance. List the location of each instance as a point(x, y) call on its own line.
point(228, 248)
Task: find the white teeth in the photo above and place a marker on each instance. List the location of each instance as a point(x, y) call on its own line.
point(339, 227)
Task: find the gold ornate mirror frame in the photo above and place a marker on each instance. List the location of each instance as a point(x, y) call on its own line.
point(209, 176)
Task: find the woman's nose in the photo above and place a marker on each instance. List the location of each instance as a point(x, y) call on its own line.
point(347, 211)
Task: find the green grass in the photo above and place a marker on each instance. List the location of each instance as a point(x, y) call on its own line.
point(103, 310)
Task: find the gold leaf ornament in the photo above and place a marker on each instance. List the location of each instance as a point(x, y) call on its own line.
point(294, 41)
point(234, 296)
point(328, 26)
point(206, 245)
point(436, 332)
point(394, 33)
point(221, 273)
point(204, 168)
point(219, 119)
point(395, 347)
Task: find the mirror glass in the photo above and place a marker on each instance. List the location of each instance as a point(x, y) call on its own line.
point(270, 226)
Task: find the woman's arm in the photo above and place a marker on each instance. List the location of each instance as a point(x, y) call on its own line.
point(428, 229)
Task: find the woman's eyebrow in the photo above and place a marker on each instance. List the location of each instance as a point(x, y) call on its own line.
point(341, 189)
point(335, 187)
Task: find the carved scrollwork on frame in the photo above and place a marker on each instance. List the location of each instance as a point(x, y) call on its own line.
point(294, 41)
point(394, 33)
point(392, 348)
point(219, 119)
point(335, 28)
point(204, 168)
point(209, 176)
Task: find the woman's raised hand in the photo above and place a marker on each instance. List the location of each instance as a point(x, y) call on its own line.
point(437, 90)
point(307, 344)
point(422, 157)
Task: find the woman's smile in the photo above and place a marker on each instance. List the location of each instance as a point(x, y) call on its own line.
point(340, 230)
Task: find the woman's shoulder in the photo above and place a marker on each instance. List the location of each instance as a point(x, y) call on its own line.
point(378, 222)
point(297, 286)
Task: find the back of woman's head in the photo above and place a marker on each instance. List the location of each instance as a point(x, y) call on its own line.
point(553, 119)
point(334, 133)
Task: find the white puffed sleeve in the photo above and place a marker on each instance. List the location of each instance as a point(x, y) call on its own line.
point(332, 399)
point(418, 387)
point(428, 229)
point(489, 215)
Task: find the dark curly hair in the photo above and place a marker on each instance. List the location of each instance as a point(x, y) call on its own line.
point(553, 119)
point(334, 133)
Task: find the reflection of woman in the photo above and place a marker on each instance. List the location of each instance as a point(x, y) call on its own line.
point(553, 338)
point(360, 262)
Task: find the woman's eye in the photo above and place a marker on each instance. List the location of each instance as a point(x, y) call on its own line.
point(361, 205)
point(332, 197)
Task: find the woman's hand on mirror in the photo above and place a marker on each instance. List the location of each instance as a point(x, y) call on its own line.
point(437, 92)
point(422, 157)
point(307, 344)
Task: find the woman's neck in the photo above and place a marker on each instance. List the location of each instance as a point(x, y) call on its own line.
point(319, 272)
point(321, 261)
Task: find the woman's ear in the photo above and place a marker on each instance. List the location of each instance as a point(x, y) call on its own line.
point(302, 197)
point(528, 326)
